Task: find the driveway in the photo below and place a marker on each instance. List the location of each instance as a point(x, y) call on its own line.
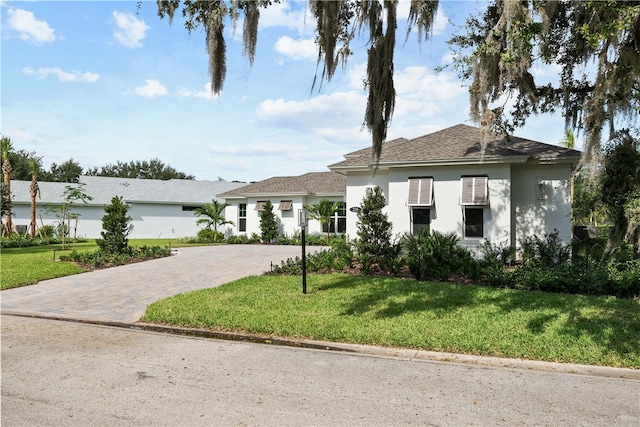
point(121, 294)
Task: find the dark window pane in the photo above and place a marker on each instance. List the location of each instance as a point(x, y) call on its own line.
point(242, 224)
point(473, 222)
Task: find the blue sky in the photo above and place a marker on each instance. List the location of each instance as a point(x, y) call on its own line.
point(102, 81)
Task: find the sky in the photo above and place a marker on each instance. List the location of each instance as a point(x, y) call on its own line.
point(106, 81)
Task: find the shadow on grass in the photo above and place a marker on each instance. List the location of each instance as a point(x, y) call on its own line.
point(613, 324)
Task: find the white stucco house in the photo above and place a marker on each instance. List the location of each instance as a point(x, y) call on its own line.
point(288, 195)
point(159, 209)
point(502, 190)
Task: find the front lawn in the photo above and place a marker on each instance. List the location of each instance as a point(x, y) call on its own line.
point(422, 315)
point(29, 265)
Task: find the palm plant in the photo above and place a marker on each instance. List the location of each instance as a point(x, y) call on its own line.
point(6, 149)
point(322, 211)
point(34, 190)
point(212, 216)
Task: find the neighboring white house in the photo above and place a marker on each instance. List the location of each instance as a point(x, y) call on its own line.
point(159, 209)
point(288, 195)
point(502, 190)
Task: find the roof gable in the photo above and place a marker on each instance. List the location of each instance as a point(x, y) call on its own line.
point(319, 183)
point(460, 143)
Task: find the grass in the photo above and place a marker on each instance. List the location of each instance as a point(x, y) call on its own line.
point(408, 314)
point(26, 266)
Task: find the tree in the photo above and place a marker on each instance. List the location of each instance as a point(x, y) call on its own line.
point(620, 181)
point(20, 165)
point(374, 230)
point(70, 195)
point(213, 216)
point(500, 49)
point(336, 25)
point(322, 211)
point(5, 204)
point(116, 225)
point(68, 171)
point(6, 150)
point(268, 223)
point(34, 191)
point(152, 169)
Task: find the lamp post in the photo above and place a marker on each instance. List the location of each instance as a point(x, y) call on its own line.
point(302, 222)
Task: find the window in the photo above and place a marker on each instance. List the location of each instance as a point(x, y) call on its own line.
point(338, 220)
point(474, 191)
point(473, 222)
point(190, 208)
point(420, 192)
point(242, 217)
point(285, 205)
point(420, 219)
point(260, 205)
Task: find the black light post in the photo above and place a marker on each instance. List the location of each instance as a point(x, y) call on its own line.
point(302, 221)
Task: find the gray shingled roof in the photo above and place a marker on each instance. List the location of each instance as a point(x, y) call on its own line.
point(318, 183)
point(103, 189)
point(455, 144)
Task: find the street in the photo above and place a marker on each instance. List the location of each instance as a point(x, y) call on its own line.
point(75, 374)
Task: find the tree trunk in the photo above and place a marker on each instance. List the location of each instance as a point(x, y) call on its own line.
point(34, 192)
point(6, 171)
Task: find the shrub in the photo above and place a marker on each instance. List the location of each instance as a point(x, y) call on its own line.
point(336, 258)
point(101, 259)
point(546, 251)
point(207, 235)
point(437, 256)
point(373, 244)
point(116, 225)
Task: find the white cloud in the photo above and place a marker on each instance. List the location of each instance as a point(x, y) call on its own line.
point(129, 31)
point(63, 76)
point(204, 94)
point(151, 89)
point(281, 15)
point(297, 49)
point(30, 29)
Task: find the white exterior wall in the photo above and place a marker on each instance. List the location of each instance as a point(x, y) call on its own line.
point(287, 220)
point(357, 185)
point(148, 220)
point(542, 201)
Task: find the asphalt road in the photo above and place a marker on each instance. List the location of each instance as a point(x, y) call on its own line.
point(58, 373)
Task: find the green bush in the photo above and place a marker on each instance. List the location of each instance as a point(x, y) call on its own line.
point(339, 256)
point(24, 241)
point(207, 235)
point(437, 256)
point(101, 258)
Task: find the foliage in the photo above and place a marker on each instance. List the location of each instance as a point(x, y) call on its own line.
point(338, 257)
point(435, 255)
point(206, 235)
point(587, 207)
point(24, 241)
point(63, 213)
point(116, 225)
point(500, 49)
point(152, 169)
point(373, 244)
point(323, 212)
point(268, 223)
point(547, 251)
point(336, 23)
point(102, 258)
point(620, 179)
point(212, 215)
point(243, 239)
point(68, 171)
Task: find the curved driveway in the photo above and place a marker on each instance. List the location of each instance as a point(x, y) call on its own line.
point(121, 294)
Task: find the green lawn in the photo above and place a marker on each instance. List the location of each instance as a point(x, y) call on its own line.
point(26, 266)
point(404, 313)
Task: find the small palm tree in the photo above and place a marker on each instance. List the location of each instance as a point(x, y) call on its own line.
point(6, 149)
point(323, 211)
point(213, 216)
point(34, 190)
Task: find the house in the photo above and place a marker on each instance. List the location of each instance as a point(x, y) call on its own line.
point(158, 208)
point(450, 181)
point(288, 195)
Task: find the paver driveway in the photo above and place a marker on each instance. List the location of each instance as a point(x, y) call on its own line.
point(121, 294)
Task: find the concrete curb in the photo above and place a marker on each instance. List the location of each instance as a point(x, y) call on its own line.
point(365, 350)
